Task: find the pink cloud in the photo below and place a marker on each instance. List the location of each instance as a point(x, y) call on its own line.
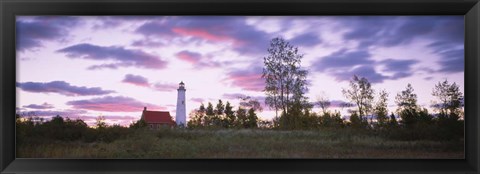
point(201, 33)
point(246, 79)
point(113, 104)
point(189, 56)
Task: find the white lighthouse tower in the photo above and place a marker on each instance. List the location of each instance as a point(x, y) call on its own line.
point(181, 111)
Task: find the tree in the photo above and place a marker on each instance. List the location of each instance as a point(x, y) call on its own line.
point(229, 115)
point(449, 98)
point(449, 106)
point(381, 110)
point(209, 115)
point(252, 119)
point(406, 101)
point(323, 101)
point(100, 122)
point(220, 108)
point(360, 93)
point(284, 78)
point(241, 117)
point(392, 122)
point(249, 102)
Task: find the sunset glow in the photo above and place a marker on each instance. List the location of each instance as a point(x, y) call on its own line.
point(85, 67)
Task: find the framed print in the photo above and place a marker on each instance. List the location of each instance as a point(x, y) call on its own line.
point(251, 86)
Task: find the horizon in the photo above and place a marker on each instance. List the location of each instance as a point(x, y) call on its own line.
point(85, 67)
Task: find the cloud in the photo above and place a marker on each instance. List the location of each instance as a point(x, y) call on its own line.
point(445, 34)
point(42, 106)
point(50, 113)
point(109, 22)
point(246, 79)
point(136, 80)
point(164, 87)
point(399, 68)
point(245, 39)
point(366, 71)
point(142, 81)
point(198, 100)
point(61, 87)
point(113, 104)
point(104, 66)
point(388, 31)
point(452, 61)
point(340, 104)
point(306, 39)
point(343, 59)
point(124, 57)
point(197, 60)
point(188, 56)
point(343, 64)
point(34, 32)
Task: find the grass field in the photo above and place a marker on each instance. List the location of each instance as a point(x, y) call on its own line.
point(181, 143)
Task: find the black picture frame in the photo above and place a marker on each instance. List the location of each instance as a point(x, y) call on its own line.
point(10, 8)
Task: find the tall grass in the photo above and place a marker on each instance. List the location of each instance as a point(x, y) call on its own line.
point(245, 143)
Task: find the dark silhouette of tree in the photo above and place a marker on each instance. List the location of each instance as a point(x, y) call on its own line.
point(241, 117)
point(407, 106)
point(392, 122)
point(360, 93)
point(381, 111)
point(285, 80)
point(252, 119)
point(229, 115)
point(449, 99)
point(449, 107)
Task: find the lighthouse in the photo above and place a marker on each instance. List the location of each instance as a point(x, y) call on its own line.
point(181, 111)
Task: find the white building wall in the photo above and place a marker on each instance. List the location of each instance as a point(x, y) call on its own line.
point(181, 117)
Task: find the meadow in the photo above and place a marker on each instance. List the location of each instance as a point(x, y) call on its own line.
point(245, 143)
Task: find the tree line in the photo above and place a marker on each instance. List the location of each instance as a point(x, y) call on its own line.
point(285, 89)
point(286, 86)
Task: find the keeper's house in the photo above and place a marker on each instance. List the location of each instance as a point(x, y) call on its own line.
point(157, 119)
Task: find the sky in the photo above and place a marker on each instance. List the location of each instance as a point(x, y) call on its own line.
point(114, 66)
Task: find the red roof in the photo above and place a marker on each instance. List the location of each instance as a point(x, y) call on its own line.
point(157, 117)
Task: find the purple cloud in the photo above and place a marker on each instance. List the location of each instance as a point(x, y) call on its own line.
point(219, 29)
point(342, 59)
point(446, 34)
point(197, 60)
point(400, 68)
point(366, 71)
point(164, 87)
point(246, 79)
point(306, 39)
point(188, 56)
point(42, 106)
point(61, 87)
point(50, 113)
point(124, 57)
point(113, 104)
point(35, 32)
point(136, 80)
